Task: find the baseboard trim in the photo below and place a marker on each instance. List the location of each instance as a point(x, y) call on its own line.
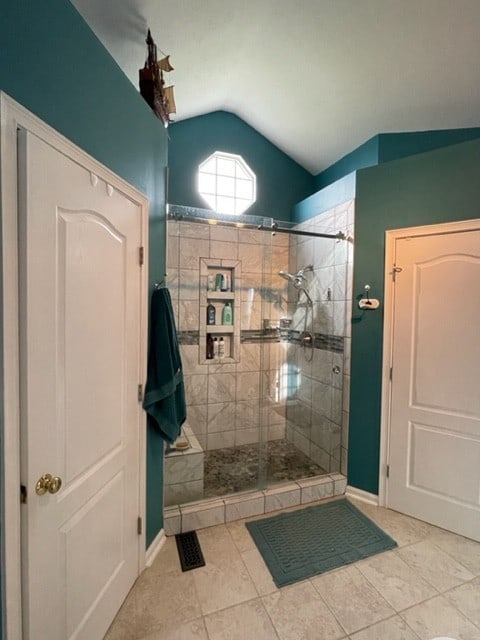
point(363, 496)
point(154, 548)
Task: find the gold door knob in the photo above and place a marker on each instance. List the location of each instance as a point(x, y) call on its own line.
point(48, 483)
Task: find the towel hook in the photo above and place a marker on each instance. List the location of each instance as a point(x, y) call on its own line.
point(367, 302)
point(159, 285)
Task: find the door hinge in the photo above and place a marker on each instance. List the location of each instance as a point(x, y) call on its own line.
point(139, 525)
point(23, 494)
point(140, 392)
point(141, 255)
point(387, 471)
point(391, 372)
point(396, 270)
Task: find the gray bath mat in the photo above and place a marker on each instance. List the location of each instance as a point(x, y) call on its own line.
point(304, 543)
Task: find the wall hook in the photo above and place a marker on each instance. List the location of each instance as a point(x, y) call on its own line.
point(366, 302)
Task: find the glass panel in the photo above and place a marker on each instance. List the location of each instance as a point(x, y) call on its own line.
point(225, 166)
point(209, 166)
point(225, 186)
point(196, 214)
point(225, 205)
point(233, 179)
point(242, 172)
point(265, 405)
point(242, 205)
point(206, 183)
point(278, 416)
point(244, 189)
point(210, 199)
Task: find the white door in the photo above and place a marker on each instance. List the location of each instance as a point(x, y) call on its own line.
point(80, 335)
point(434, 445)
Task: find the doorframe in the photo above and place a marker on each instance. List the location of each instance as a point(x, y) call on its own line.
point(12, 117)
point(391, 238)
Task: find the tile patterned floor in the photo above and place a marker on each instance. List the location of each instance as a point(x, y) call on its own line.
point(428, 587)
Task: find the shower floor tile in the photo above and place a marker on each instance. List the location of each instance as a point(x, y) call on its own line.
point(236, 469)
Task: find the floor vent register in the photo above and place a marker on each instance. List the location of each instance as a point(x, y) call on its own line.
point(189, 551)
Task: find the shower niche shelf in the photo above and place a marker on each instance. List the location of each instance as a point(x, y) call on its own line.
point(220, 295)
point(210, 271)
point(220, 329)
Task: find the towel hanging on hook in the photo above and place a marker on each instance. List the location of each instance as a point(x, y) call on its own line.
point(161, 284)
point(164, 398)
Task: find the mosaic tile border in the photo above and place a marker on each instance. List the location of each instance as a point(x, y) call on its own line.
point(259, 335)
point(323, 341)
point(189, 337)
point(208, 513)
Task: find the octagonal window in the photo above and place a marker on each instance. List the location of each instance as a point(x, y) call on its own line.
point(226, 183)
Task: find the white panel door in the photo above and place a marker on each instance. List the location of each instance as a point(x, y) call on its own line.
point(80, 336)
point(434, 446)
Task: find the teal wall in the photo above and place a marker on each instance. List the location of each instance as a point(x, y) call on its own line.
point(281, 182)
point(439, 186)
point(52, 64)
point(385, 147)
point(393, 146)
point(366, 155)
point(335, 193)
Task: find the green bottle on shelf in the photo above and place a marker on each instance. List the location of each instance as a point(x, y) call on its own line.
point(227, 315)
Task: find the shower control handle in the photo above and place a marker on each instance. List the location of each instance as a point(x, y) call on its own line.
point(306, 339)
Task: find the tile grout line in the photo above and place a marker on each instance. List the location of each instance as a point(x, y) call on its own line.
point(440, 595)
point(450, 554)
point(327, 605)
point(292, 486)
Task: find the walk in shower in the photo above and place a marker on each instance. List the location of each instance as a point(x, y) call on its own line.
point(270, 406)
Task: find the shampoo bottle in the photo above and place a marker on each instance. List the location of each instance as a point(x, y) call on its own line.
point(210, 314)
point(227, 315)
point(221, 348)
point(209, 347)
point(219, 282)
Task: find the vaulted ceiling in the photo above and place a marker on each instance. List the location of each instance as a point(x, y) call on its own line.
point(316, 77)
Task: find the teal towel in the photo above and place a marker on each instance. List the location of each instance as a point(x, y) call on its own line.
point(164, 399)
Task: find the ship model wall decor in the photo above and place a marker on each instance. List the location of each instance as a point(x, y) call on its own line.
point(152, 83)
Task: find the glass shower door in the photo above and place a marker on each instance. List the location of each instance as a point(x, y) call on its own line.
point(270, 412)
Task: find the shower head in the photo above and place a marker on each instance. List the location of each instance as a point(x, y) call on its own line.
point(295, 278)
point(298, 279)
point(286, 275)
point(302, 271)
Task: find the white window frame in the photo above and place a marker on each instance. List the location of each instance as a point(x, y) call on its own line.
point(213, 198)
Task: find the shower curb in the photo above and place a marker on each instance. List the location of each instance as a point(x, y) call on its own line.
point(208, 513)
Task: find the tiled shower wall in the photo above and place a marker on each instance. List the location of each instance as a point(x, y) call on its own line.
point(317, 411)
point(300, 398)
point(223, 399)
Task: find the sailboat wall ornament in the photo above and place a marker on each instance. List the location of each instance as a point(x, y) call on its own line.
point(152, 83)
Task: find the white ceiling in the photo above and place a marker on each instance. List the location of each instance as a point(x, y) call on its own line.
point(316, 77)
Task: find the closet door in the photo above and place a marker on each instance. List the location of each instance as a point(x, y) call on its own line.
point(434, 451)
point(80, 338)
